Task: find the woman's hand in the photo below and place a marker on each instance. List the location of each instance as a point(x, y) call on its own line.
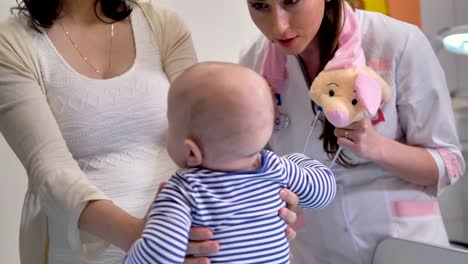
point(360, 138)
point(200, 245)
point(288, 214)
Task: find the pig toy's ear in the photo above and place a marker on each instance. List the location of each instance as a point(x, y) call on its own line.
point(369, 92)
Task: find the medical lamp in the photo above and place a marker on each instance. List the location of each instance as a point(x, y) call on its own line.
point(455, 39)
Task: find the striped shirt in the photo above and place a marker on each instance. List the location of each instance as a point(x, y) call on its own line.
point(241, 208)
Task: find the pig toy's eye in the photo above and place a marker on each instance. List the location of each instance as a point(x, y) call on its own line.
point(354, 102)
point(331, 92)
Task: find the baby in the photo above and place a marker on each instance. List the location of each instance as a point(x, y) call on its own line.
point(220, 119)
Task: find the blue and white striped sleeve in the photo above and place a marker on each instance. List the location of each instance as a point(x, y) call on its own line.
point(165, 237)
point(310, 180)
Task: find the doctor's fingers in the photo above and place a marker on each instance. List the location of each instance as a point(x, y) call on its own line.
point(344, 133)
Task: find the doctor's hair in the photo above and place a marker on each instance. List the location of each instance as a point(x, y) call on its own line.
point(44, 13)
point(328, 35)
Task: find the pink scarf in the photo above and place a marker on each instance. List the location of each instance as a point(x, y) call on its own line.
point(349, 53)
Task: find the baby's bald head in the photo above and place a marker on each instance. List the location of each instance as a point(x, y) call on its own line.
point(225, 108)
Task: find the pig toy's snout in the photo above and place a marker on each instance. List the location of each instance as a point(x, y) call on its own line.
point(337, 118)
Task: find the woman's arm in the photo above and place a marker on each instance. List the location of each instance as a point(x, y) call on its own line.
point(429, 152)
point(414, 164)
point(119, 228)
point(31, 130)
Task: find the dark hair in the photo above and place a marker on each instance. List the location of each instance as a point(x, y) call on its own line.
point(44, 13)
point(328, 35)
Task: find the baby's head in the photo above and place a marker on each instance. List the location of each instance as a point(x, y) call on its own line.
point(220, 117)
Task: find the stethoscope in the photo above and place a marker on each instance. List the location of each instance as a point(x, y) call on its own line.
point(282, 119)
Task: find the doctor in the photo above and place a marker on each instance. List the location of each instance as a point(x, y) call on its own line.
point(394, 166)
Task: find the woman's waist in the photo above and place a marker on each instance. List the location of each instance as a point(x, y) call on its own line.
point(130, 180)
point(138, 158)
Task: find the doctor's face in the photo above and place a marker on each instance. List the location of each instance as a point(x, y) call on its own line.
point(291, 24)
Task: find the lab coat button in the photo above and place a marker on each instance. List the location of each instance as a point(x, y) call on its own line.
point(346, 230)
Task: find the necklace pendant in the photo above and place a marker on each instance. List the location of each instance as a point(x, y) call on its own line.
point(85, 59)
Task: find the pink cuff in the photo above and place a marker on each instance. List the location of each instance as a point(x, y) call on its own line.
point(414, 208)
point(452, 165)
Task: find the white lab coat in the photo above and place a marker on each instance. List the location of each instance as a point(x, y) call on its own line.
point(372, 203)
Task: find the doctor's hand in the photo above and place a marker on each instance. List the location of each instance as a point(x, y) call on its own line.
point(361, 138)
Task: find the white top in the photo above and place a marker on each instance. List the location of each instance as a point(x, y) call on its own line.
point(241, 208)
point(371, 202)
point(114, 129)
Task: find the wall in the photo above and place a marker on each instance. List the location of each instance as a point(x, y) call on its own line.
point(404, 10)
point(220, 28)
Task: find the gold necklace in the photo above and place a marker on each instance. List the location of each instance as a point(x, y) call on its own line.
point(81, 53)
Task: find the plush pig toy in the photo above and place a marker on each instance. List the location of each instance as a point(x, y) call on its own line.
point(347, 90)
point(349, 95)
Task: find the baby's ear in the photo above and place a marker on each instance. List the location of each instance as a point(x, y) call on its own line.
point(194, 156)
point(369, 92)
